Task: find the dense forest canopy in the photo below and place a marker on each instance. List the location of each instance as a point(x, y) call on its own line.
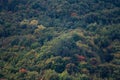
point(59, 39)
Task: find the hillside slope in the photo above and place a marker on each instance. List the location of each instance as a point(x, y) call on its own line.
point(59, 40)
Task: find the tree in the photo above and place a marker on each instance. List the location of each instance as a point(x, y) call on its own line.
point(71, 68)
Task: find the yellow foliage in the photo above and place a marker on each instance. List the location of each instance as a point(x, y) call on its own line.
point(36, 31)
point(41, 27)
point(32, 74)
point(49, 61)
point(24, 22)
point(117, 55)
point(33, 22)
point(85, 71)
point(81, 45)
point(66, 58)
point(83, 63)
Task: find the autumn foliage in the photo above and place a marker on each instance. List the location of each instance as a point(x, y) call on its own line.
point(80, 57)
point(23, 70)
point(74, 14)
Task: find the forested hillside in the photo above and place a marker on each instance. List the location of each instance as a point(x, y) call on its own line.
point(59, 39)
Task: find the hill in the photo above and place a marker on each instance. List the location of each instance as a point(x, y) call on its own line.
point(59, 40)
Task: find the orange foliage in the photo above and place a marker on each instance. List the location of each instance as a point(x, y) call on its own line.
point(23, 70)
point(15, 46)
point(74, 14)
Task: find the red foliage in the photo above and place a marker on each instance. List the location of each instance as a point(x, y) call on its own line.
point(81, 58)
point(74, 14)
point(23, 70)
